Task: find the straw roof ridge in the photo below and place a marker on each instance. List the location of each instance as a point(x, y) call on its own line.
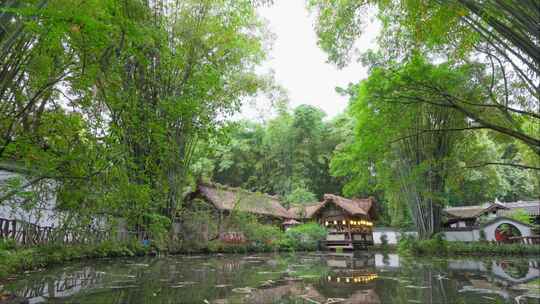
point(356, 206)
point(305, 210)
point(353, 206)
point(472, 211)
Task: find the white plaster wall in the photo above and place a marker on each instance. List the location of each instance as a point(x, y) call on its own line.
point(386, 260)
point(490, 229)
point(335, 237)
point(461, 236)
point(391, 235)
point(42, 213)
point(474, 235)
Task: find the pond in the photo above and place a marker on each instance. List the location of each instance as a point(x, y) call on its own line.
point(312, 278)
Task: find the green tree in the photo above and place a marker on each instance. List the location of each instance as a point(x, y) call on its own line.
point(109, 98)
point(500, 33)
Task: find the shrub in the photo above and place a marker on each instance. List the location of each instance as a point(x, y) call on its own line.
point(408, 244)
point(482, 235)
point(7, 244)
point(384, 239)
point(521, 215)
point(304, 237)
point(438, 246)
point(30, 258)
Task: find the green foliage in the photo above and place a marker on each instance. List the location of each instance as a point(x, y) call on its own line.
point(384, 239)
point(7, 244)
point(482, 235)
point(521, 215)
point(303, 237)
point(108, 99)
point(434, 246)
point(414, 152)
point(288, 155)
point(20, 259)
point(300, 196)
point(438, 246)
point(476, 165)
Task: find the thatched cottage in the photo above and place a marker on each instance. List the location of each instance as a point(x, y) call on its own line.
point(215, 203)
point(228, 199)
point(349, 221)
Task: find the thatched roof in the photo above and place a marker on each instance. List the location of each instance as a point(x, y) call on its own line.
point(305, 212)
point(531, 207)
point(228, 198)
point(472, 211)
point(353, 207)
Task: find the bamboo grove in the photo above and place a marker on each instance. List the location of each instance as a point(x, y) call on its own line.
point(109, 98)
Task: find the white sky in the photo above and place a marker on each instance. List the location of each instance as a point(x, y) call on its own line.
point(300, 65)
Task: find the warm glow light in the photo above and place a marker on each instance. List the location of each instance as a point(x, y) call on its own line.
point(329, 278)
point(347, 280)
point(335, 222)
point(326, 223)
point(338, 279)
point(344, 222)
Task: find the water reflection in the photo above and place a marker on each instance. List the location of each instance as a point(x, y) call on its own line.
point(283, 278)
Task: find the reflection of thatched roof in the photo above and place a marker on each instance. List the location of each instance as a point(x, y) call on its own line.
point(354, 207)
point(308, 293)
point(472, 211)
point(228, 198)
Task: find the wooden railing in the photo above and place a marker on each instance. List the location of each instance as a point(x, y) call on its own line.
point(24, 233)
point(528, 240)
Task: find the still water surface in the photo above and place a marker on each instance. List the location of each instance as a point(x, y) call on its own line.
point(311, 278)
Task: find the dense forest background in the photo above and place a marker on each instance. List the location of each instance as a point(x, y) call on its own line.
point(119, 107)
point(300, 154)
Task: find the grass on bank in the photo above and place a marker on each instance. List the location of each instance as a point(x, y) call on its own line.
point(15, 259)
point(264, 238)
point(439, 246)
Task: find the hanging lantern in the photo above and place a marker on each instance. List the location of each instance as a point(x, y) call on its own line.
point(326, 223)
point(335, 222)
point(344, 222)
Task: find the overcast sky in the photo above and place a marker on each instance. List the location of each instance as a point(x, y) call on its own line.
point(300, 66)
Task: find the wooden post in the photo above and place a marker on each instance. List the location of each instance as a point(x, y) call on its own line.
point(349, 229)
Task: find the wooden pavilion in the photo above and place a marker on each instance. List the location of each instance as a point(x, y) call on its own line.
point(349, 221)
